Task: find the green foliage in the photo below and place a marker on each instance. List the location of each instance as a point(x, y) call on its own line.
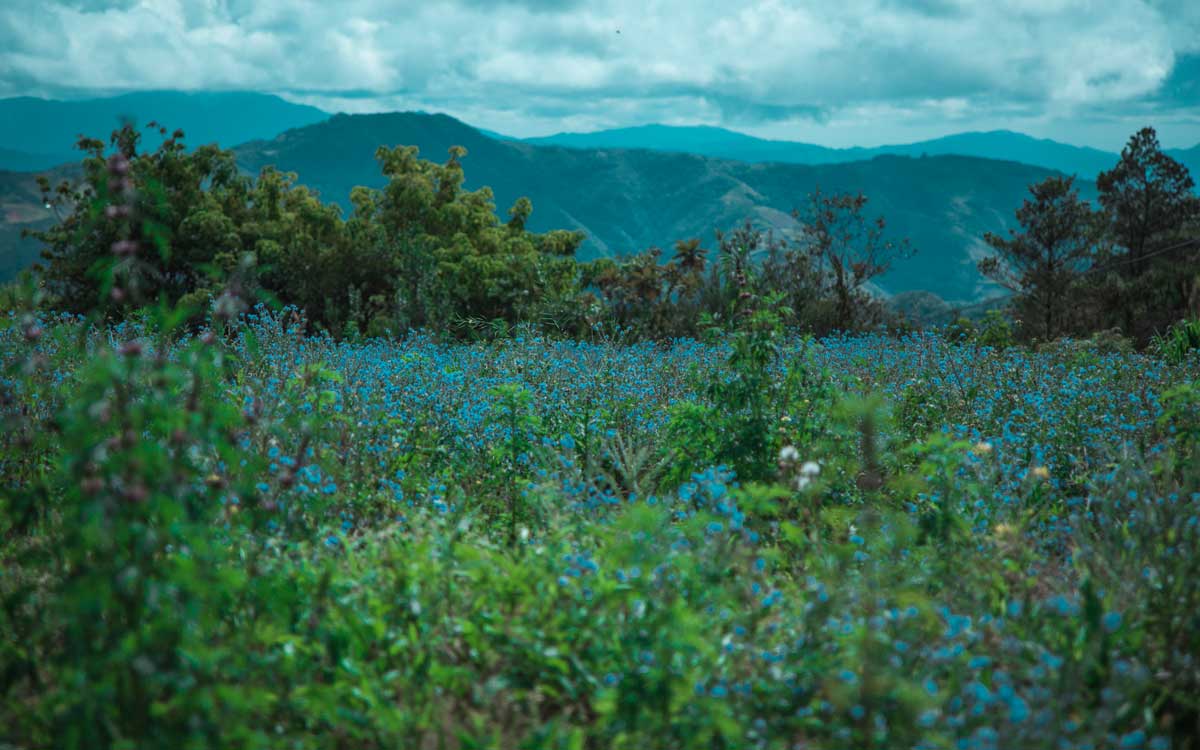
point(1058, 237)
point(550, 577)
point(850, 247)
point(1179, 341)
point(245, 536)
point(419, 252)
point(993, 329)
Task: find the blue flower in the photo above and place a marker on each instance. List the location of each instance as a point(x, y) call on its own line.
point(1018, 710)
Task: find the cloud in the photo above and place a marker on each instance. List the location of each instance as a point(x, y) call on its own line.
point(536, 64)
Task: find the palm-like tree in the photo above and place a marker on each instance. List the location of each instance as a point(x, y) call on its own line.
point(690, 257)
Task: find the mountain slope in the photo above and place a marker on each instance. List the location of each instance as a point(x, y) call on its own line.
point(22, 161)
point(1190, 158)
point(39, 133)
point(21, 208)
point(727, 144)
point(628, 200)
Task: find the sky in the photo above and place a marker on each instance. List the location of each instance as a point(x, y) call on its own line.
point(837, 73)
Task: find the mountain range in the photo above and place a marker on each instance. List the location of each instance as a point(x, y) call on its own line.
point(727, 144)
point(627, 200)
point(41, 133)
point(627, 189)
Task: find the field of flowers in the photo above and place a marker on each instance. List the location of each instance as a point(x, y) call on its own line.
point(257, 538)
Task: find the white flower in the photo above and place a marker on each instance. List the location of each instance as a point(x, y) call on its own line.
point(788, 454)
point(808, 472)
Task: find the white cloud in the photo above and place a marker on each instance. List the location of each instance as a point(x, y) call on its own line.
point(537, 65)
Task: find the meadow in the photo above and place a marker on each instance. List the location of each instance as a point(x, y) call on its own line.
point(255, 536)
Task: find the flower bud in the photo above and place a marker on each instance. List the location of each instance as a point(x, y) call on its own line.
point(118, 165)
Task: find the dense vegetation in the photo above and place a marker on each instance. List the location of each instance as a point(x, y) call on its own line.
point(423, 252)
point(635, 507)
point(255, 538)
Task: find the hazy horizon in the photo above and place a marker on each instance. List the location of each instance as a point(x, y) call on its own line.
point(767, 133)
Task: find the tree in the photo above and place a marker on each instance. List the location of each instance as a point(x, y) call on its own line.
point(1040, 263)
point(1153, 217)
point(453, 260)
point(150, 224)
point(1149, 198)
point(848, 246)
point(689, 256)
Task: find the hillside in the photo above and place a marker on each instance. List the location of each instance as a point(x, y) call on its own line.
point(39, 133)
point(628, 200)
point(727, 144)
point(1190, 158)
point(21, 208)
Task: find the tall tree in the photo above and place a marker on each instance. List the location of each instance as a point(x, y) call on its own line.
point(1150, 199)
point(1041, 262)
point(1153, 217)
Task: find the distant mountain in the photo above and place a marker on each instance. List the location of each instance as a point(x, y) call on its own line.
point(496, 136)
point(21, 161)
point(40, 133)
point(21, 208)
point(701, 139)
point(628, 200)
point(1190, 158)
point(727, 144)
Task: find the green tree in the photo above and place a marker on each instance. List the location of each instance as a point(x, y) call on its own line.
point(850, 247)
point(1150, 200)
point(453, 261)
point(1040, 263)
point(167, 193)
point(1153, 215)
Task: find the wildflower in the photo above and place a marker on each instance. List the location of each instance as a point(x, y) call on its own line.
point(808, 472)
point(788, 454)
point(982, 448)
point(1112, 621)
point(1040, 472)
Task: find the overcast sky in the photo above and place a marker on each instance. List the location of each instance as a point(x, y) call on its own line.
point(835, 72)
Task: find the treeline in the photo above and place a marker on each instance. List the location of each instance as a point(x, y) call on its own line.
point(423, 252)
point(420, 252)
point(1131, 264)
